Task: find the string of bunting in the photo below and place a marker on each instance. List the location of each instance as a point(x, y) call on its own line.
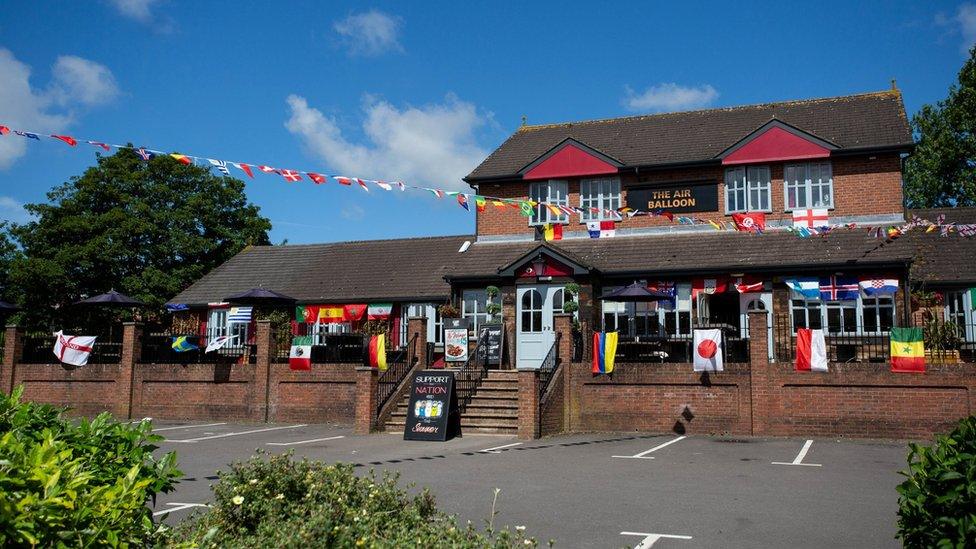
point(526, 207)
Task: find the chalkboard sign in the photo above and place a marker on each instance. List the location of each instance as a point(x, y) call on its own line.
point(490, 338)
point(695, 196)
point(433, 413)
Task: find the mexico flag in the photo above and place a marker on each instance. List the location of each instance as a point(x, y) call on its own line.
point(377, 352)
point(811, 350)
point(708, 350)
point(300, 357)
point(907, 350)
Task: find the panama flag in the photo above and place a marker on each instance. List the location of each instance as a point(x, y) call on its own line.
point(810, 219)
point(73, 350)
point(708, 350)
point(879, 286)
point(377, 352)
point(811, 350)
point(601, 229)
point(300, 357)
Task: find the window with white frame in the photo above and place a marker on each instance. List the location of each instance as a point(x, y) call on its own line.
point(664, 318)
point(747, 189)
point(675, 316)
point(841, 317)
point(474, 307)
point(806, 313)
point(321, 329)
point(435, 325)
point(809, 185)
point(959, 309)
point(552, 192)
point(218, 326)
point(878, 314)
point(867, 315)
point(602, 193)
point(616, 317)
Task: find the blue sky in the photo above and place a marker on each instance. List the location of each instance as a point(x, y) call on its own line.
point(420, 91)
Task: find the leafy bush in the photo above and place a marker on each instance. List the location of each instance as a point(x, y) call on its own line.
point(76, 483)
point(937, 504)
point(281, 502)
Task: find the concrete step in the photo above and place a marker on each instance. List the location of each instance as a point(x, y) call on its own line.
point(499, 384)
point(500, 404)
point(397, 427)
point(473, 413)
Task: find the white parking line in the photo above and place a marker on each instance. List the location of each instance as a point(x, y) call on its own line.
point(643, 455)
point(179, 507)
point(496, 448)
point(304, 441)
point(650, 539)
point(187, 427)
point(798, 460)
point(225, 435)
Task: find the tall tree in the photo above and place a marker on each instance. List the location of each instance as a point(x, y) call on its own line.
point(942, 170)
point(147, 229)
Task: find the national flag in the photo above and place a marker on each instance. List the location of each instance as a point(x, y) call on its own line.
point(807, 287)
point(526, 209)
point(401, 186)
point(239, 314)
point(4, 130)
point(708, 350)
point(379, 311)
point(462, 200)
point(267, 169)
point(879, 286)
point(220, 165)
point(750, 221)
point(709, 286)
point(811, 350)
point(144, 154)
point(663, 286)
point(907, 350)
point(28, 135)
point(300, 356)
point(182, 158)
point(316, 177)
point(604, 351)
point(839, 288)
point(181, 345)
point(246, 168)
point(73, 350)
point(362, 184)
point(437, 193)
point(99, 144)
point(330, 314)
point(67, 139)
point(176, 307)
point(291, 175)
point(353, 313)
point(342, 180)
point(552, 232)
point(601, 229)
point(498, 203)
point(377, 352)
point(307, 313)
point(217, 343)
point(479, 203)
point(387, 187)
point(810, 219)
point(748, 284)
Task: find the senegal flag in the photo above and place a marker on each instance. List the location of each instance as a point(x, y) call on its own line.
point(907, 350)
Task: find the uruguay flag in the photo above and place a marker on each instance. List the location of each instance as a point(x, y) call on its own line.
point(872, 287)
point(604, 351)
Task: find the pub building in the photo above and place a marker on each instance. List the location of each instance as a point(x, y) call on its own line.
point(842, 154)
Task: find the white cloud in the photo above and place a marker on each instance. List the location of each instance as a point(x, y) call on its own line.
point(138, 10)
point(430, 145)
point(13, 210)
point(370, 33)
point(966, 17)
point(353, 212)
point(670, 97)
point(76, 82)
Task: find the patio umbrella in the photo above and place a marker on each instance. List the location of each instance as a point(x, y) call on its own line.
point(636, 292)
point(6, 308)
point(111, 299)
point(260, 296)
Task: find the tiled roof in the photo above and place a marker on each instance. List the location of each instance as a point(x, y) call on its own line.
point(950, 259)
point(855, 121)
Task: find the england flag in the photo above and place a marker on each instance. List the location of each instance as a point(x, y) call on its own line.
point(73, 350)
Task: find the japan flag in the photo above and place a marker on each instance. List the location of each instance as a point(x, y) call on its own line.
point(708, 350)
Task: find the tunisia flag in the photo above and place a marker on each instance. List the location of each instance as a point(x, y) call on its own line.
point(708, 350)
point(750, 221)
point(811, 350)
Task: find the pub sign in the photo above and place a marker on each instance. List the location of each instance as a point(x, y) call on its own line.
point(695, 196)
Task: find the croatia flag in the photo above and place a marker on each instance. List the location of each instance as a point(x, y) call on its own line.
point(708, 350)
point(811, 350)
point(300, 357)
point(879, 286)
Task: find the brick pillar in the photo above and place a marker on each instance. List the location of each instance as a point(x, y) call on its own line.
point(260, 406)
point(11, 354)
point(131, 352)
point(418, 325)
point(528, 404)
point(760, 372)
point(367, 386)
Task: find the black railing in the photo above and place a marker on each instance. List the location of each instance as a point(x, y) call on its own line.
point(326, 348)
point(38, 346)
point(678, 348)
point(550, 365)
point(474, 371)
point(399, 363)
point(157, 348)
point(855, 345)
point(579, 346)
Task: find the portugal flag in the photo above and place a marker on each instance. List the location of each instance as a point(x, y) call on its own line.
point(377, 352)
point(300, 357)
point(907, 350)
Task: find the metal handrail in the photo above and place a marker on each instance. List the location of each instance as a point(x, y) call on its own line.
point(395, 373)
point(474, 371)
point(549, 367)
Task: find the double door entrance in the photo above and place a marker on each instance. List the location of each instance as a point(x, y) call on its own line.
point(535, 306)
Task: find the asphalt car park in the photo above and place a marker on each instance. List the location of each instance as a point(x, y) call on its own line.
point(596, 490)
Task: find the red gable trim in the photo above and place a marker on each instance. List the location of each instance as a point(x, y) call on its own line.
point(569, 161)
point(773, 144)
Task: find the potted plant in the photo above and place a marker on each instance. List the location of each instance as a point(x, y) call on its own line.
point(491, 307)
point(941, 341)
point(448, 310)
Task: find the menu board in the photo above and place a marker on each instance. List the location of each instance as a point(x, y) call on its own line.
point(433, 413)
point(455, 340)
point(491, 338)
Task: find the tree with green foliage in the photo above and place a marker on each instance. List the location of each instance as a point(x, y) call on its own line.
point(942, 170)
point(146, 229)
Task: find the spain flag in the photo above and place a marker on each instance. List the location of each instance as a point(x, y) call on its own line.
point(907, 350)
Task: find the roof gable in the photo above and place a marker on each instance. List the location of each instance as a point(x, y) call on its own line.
point(570, 159)
point(556, 263)
point(774, 141)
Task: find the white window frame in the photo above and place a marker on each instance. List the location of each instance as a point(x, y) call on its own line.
point(553, 191)
point(606, 197)
point(217, 326)
point(873, 306)
point(860, 309)
point(755, 185)
point(798, 178)
point(429, 311)
point(959, 307)
point(661, 310)
point(473, 306)
point(321, 329)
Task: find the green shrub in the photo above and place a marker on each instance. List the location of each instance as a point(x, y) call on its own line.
point(281, 502)
point(76, 483)
point(937, 504)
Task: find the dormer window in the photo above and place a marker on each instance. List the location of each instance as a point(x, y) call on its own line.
point(808, 185)
point(747, 189)
point(602, 193)
point(554, 192)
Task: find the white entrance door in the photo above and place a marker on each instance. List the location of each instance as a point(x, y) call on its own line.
point(753, 302)
point(533, 323)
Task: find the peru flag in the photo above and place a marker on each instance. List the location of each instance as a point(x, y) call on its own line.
point(811, 350)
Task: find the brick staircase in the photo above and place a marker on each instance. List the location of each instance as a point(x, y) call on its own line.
point(493, 408)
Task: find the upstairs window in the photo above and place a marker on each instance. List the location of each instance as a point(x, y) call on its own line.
point(809, 185)
point(747, 189)
point(603, 193)
point(553, 192)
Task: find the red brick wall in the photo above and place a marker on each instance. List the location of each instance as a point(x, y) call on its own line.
point(861, 187)
point(195, 391)
point(325, 394)
point(88, 390)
